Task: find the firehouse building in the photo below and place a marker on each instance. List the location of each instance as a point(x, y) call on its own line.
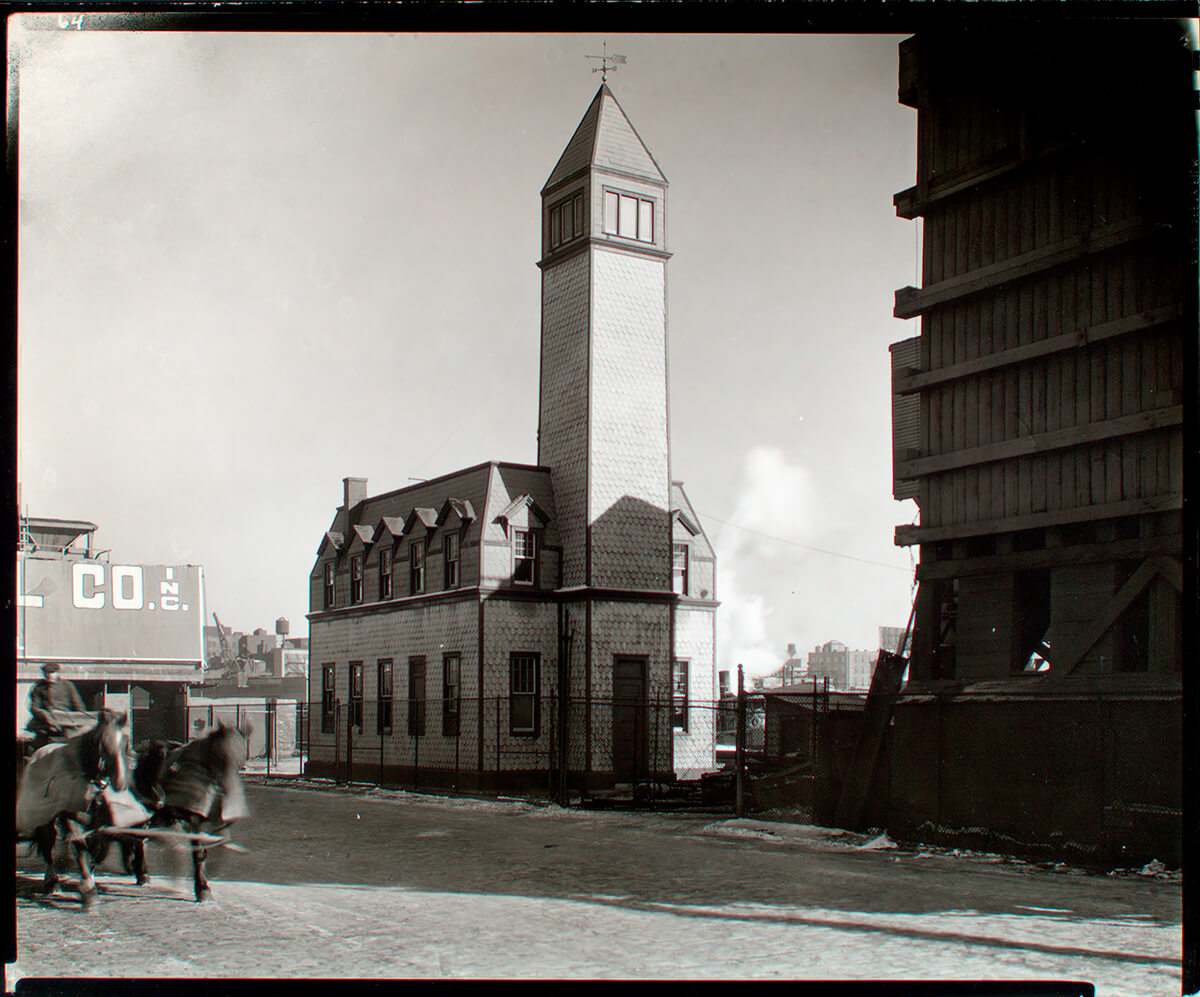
point(508, 623)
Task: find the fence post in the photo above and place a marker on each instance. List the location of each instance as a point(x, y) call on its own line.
point(379, 727)
point(337, 741)
point(654, 746)
point(740, 748)
point(270, 732)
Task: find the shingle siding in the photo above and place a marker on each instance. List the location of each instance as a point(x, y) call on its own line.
point(629, 480)
point(695, 748)
point(563, 418)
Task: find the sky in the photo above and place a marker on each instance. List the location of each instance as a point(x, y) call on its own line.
point(253, 264)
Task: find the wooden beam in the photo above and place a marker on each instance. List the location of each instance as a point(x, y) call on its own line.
point(907, 534)
point(1116, 606)
point(904, 384)
point(1037, 443)
point(912, 301)
point(1033, 560)
point(909, 203)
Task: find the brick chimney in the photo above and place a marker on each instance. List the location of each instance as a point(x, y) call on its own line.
point(354, 490)
point(791, 650)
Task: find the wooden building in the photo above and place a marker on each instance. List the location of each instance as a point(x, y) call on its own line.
point(547, 612)
point(1038, 422)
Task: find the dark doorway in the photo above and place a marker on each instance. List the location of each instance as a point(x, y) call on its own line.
point(630, 720)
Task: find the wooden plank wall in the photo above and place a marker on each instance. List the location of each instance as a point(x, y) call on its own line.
point(1049, 183)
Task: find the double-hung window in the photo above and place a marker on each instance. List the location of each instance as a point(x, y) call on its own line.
point(451, 547)
point(524, 546)
point(628, 216)
point(383, 718)
point(356, 579)
point(416, 567)
point(356, 694)
point(385, 573)
point(679, 695)
point(329, 585)
point(328, 699)
point(523, 694)
point(451, 692)
point(679, 569)
point(416, 696)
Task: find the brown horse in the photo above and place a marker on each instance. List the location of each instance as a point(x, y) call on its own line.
point(60, 789)
point(194, 787)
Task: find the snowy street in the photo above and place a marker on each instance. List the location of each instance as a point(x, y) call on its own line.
point(371, 883)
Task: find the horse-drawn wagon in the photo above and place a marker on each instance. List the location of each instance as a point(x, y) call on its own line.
point(91, 789)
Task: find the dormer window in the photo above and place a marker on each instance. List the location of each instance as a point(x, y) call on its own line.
point(566, 220)
point(524, 546)
point(628, 216)
point(329, 585)
point(385, 573)
point(356, 579)
point(451, 548)
point(416, 568)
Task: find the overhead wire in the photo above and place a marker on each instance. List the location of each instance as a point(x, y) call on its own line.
point(796, 543)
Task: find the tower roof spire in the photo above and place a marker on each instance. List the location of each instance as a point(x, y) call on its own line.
point(606, 139)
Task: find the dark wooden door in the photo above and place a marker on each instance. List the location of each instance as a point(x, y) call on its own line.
point(630, 720)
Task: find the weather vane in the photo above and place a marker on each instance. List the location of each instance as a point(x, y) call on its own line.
point(605, 60)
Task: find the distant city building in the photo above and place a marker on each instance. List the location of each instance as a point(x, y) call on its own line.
point(829, 661)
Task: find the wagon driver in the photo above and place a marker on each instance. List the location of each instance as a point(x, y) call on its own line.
point(48, 700)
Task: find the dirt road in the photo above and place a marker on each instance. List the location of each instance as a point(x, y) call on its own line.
point(375, 884)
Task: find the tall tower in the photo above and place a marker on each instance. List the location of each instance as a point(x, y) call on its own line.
point(602, 424)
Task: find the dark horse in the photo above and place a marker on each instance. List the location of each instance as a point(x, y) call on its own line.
point(62, 788)
point(192, 788)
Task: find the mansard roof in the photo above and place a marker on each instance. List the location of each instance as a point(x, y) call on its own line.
point(606, 139)
point(475, 494)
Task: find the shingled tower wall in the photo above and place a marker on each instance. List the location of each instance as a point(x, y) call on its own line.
point(602, 426)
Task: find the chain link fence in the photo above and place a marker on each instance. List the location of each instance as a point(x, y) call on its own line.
point(659, 753)
point(277, 731)
point(538, 744)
